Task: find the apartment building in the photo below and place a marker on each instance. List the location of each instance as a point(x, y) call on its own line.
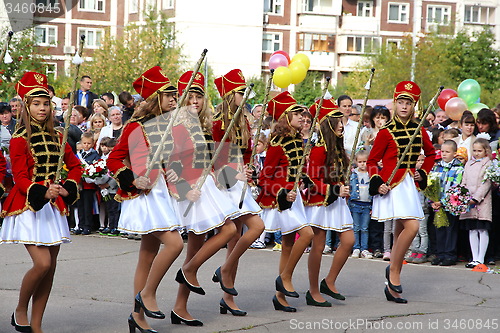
point(335, 34)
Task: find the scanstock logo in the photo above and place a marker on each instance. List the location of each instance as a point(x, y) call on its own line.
point(24, 14)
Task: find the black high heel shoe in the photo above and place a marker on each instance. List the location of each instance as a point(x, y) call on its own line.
point(132, 325)
point(19, 328)
point(324, 289)
point(397, 289)
point(391, 298)
point(182, 279)
point(151, 314)
point(281, 288)
point(218, 278)
point(224, 308)
point(177, 320)
point(280, 307)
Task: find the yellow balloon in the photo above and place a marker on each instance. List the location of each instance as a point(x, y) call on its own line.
point(301, 57)
point(299, 71)
point(282, 77)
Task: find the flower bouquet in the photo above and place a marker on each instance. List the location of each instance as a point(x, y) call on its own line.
point(457, 199)
point(432, 192)
point(95, 170)
point(493, 172)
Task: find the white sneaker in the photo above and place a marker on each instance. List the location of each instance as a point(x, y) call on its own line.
point(355, 253)
point(327, 249)
point(366, 254)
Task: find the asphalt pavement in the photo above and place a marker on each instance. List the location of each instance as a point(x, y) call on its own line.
point(93, 293)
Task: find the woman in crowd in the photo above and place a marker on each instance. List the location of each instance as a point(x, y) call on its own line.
point(34, 212)
point(114, 129)
point(398, 199)
point(282, 203)
point(232, 173)
point(210, 210)
point(146, 203)
point(96, 122)
point(326, 207)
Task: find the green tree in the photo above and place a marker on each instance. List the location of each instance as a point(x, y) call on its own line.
point(121, 59)
point(307, 91)
point(26, 56)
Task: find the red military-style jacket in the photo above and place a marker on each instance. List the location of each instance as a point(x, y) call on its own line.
point(34, 165)
point(232, 156)
point(134, 151)
point(193, 149)
point(389, 145)
point(279, 172)
point(322, 193)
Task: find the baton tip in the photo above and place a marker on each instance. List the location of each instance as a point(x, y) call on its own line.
point(252, 85)
point(272, 70)
point(328, 79)
point(11, 33)
point(441, 87)
point(373, 69)
point(82, 37)
point(205, 50)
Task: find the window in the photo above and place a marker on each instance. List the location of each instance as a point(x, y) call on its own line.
point(365, 8)
point(393, 44)
point(318, 6)
point(316, 42)
point(273, 7)
point(479, 15)
point(47, 3)
point(271, 42)
point(93, 37)
point(51, 71)
point(46, 35)
point(398, 12)
point(360, 44)
point(92, 5)
point(133, 4)
point(168, 4)
point(440, 15)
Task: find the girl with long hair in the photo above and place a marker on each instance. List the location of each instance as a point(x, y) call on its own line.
point(232, 173)
point(399, 200)
point(282, 204)
point(326, 206)
point(147, 207)
point(35, 210)
point(210, 210)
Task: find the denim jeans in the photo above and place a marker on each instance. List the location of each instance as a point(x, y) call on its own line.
point(361, 221)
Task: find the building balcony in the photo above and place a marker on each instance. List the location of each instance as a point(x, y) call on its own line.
point(360, 25)
point(317, 22)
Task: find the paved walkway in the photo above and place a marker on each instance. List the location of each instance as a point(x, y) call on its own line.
point(93, 293)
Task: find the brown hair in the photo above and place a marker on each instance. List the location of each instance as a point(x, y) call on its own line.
point(282, 126)
point(25, 118)
point(102, 104)
point(150, 107)
point(335, 151)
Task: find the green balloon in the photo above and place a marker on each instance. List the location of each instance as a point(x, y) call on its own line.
point(475, 108)
point(469, 90)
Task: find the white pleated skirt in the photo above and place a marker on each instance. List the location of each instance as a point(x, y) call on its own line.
point(149, 213)
point(250, 206)
point(336, 217)
point(209, 212)
point(46, 227)
point(286, 221)
point(401, 202)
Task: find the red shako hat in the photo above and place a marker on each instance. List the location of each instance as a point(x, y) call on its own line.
point(281, 104)
point(231, 81)
point(32, 84)
point(328, 108)
point(407, 89)
point(198, 84)
point(151, 82)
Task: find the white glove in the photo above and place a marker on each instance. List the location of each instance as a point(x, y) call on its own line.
point(89, 180)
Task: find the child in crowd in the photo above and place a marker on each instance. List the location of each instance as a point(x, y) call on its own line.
point(108, 187)
point(87, 156)
point(450, 172)
point(450, 134)
point(462, 155)
point(467, 138)
point(360, 204)
point(421, 241)
point(478, 218)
